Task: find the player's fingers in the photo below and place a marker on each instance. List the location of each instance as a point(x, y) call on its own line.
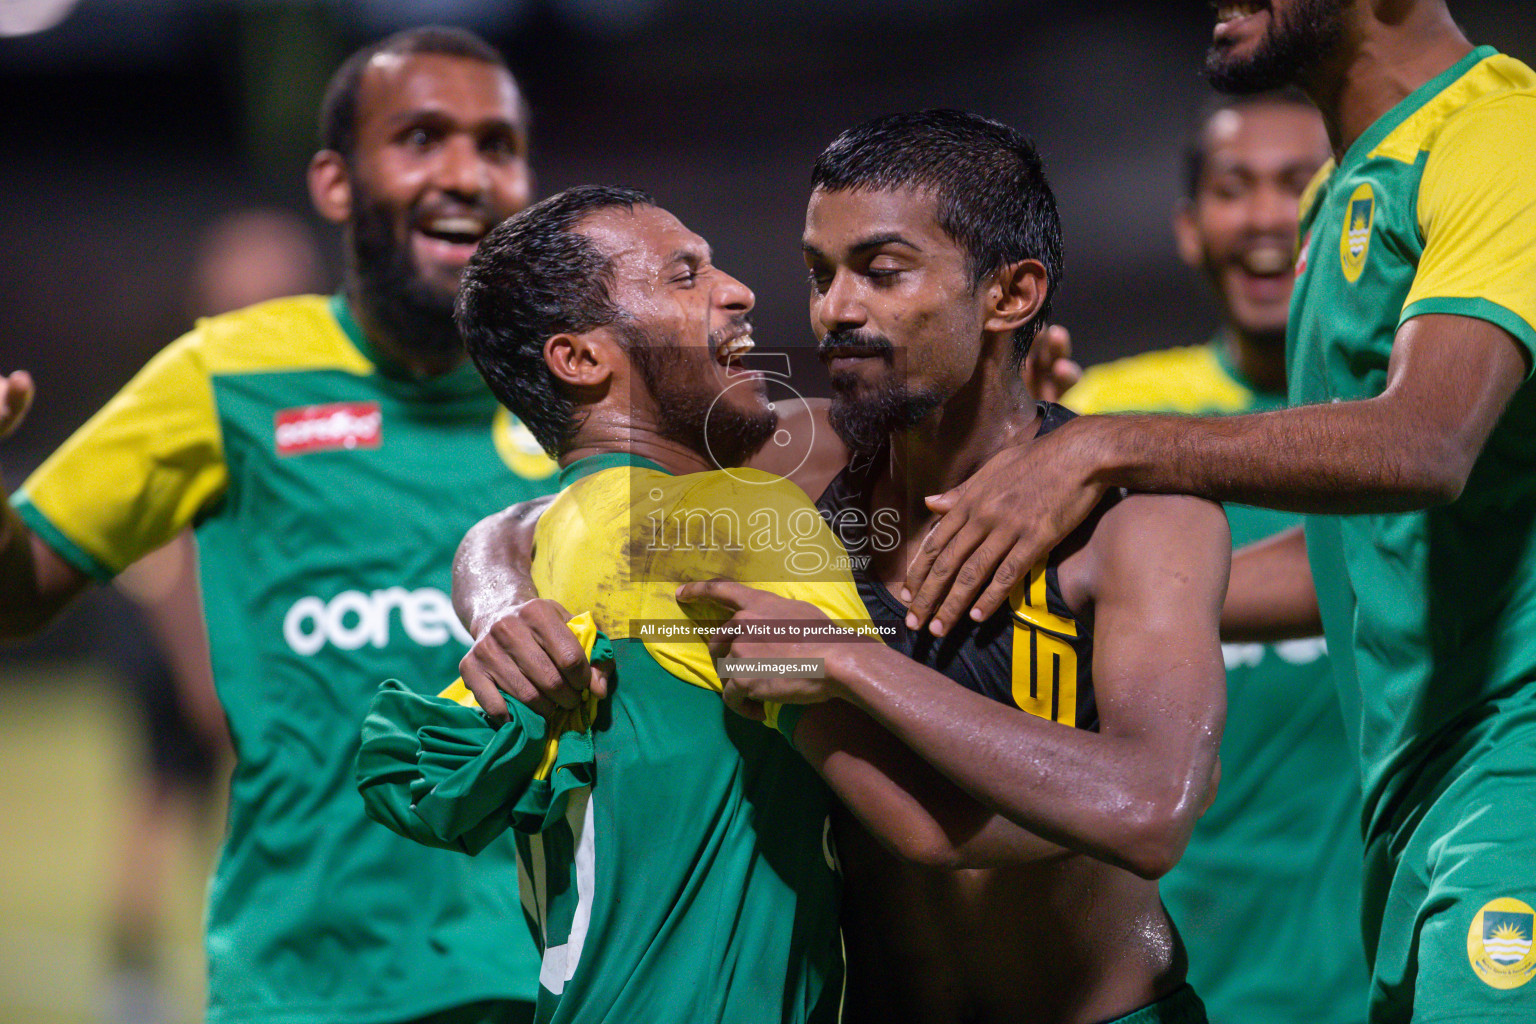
point(487, 695)
point(1011, 572)
point(941, 574)
point(971, 579)
point(721, 639)
point(515, 656)
point(944, 528)
point(562, 648)
point(944, 502)
point(602, 673)
point(737, 700)
point(16, 393)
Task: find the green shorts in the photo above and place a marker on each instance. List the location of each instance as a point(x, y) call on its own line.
point(1181, 1006)
point(1450, 916)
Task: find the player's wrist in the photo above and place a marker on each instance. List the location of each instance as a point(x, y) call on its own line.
point(1096, 445)
point(857, 671)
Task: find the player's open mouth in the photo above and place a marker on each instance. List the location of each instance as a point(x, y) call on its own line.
point(1232, 16)
point(1265, 273)
point(450, 239)
point(728, 353)
point(1266, 261)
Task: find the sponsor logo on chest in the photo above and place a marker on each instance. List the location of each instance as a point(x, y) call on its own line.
point(320, 428)
point(354, 619)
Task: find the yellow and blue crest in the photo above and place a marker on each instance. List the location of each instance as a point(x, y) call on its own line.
point(1355, 241)
point(1499, 943)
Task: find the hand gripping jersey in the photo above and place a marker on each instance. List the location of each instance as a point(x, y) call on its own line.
point(1430, 615)
point(1277, 855)
point(329, 492)
point(681, 874)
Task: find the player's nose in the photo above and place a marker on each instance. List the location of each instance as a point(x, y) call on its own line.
point(734, 295)
point(461, 169)
point(838, 306)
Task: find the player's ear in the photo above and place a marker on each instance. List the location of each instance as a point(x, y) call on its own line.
point(330, 186)
point(581, 360)
point(1186, 234)
point(1014, 296)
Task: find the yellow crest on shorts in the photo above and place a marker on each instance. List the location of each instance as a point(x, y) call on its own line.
point(1355, 241)
point(519, 449)
point(1499, 944)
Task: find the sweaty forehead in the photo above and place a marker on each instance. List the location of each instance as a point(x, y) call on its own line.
point(644, 241)
point(462, 87)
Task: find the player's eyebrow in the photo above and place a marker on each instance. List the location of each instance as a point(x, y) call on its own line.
point(693, 257)
point(864, 245)
point(879, 241)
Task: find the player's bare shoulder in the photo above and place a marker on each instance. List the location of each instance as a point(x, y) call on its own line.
point(1141, 538)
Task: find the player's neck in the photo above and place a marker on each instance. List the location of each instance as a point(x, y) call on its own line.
point(601, 435)
point(1380, 66)
point(992, 413)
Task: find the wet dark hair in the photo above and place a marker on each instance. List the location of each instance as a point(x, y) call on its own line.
point(993, 197)
point(1195, 150)
point(338, 109)
point(531, 278)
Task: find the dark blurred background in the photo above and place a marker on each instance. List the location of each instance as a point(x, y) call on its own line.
point(126, 126)
point(132, 122)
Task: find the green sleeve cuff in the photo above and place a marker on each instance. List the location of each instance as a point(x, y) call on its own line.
point(66, 549)
point(1480, 309)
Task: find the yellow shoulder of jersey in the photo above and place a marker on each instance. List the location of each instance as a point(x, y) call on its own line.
point(1183, 380)
point(297, 333)
point(1495, 77)
point(1476, 202)
point(152, 459)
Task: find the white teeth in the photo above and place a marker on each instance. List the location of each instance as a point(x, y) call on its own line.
point(1266, 261)
point(735, 347)
point(1229, 11)
point(457, 226)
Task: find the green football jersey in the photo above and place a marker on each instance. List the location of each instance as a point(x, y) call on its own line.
point(676, 856)
point(1429, 614)
point(691, 883)
point(1267, 889)
point(329, 491)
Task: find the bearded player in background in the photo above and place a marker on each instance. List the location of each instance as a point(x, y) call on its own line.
point(330, 452)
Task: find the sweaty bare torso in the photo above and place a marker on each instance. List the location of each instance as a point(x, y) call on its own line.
point(1070, 940)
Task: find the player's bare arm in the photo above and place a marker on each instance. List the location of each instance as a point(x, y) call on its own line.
point(35, 583)
point(1271, 596)
point(1409, 447)
point(903, 801)
point(1155, 574)
point(522, 647)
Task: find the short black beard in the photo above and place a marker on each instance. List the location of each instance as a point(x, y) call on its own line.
point(415, 316)
point(1309, 34)
point(718, 431)
point(865, 421)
